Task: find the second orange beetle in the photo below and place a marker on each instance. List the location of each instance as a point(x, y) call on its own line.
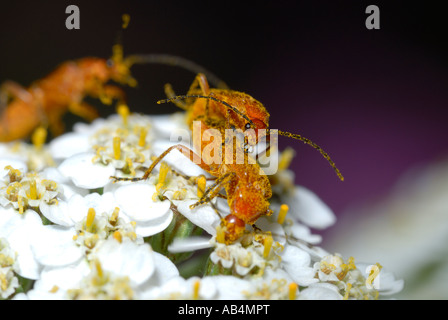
point(63, 90)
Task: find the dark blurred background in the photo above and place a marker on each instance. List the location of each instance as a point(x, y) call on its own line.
point(375, 100)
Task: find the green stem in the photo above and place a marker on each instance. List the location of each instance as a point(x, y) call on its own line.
point(180, 227)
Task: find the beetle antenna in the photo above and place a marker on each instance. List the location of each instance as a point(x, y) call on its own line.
point(117, 49)
point(315, 146)
point(175, 61)
point(159, 58)
point(182, 97)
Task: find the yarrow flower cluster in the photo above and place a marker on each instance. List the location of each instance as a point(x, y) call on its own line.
point(67, 231)
point(8, 279)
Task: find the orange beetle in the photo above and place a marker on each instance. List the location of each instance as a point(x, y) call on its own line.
point(248, 189)
point(63, 90)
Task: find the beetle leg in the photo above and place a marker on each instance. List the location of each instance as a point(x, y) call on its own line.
point(183, 149)
point(83, 110)
point(10, 89)
point(213, 190)
point(107, 93)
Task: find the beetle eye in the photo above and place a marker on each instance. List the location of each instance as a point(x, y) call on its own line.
point(110, 63)
point(248, 126)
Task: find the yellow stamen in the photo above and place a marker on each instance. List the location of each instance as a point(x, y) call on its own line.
point(245, 261)
point(285, 158)
point(53, 202)
point(91, 241)
point(377, 295)
point(90, 218)
point(117, 236)
point(14, 174)
point(159, 188)
point(75, 237)
point(292, 293)
point(351, 263)
point(13, 188)
point(114, 217)
point(99, 269)
point(201, 185)
point(176, 195)
point(341, 275)
point(140, 157)
point(33, 190)
point(180, 194)
point(282, 213)
point(220, 235)
point(98, 153)
point(3, 282)
point(267, 245)
point(142, 138)
point(20, 203)
point(54, 289)
point(117, 149)
point(126, 18)
point(39, 136)
point(117, 53)
point(164, 169)
point(374, 271)
point(130, 166)
point(347, 291)
point(123, 111)
point(196, 286)
point(50, 185)
point(5, 261)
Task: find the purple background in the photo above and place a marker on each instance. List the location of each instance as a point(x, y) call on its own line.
point(375, 100)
